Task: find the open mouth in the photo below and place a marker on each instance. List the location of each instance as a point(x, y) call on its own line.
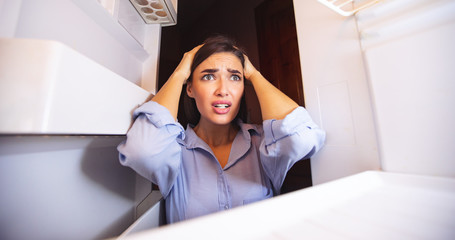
point(221, 107)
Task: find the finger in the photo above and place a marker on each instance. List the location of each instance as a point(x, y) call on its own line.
point(195, 49)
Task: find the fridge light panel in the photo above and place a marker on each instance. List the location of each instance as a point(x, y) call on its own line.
point(348, 7)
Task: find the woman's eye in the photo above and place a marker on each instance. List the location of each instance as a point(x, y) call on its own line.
point(236, 78)
point(208, 77)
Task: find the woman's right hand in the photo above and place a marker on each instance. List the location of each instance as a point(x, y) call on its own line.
point(169, 95)
point(184, 67)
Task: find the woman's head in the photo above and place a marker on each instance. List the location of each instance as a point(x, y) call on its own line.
point(215, 87)
point(214, 45)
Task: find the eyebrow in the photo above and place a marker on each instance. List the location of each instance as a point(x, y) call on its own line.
point(234, 71)
point(210, 70)
point(214, 70)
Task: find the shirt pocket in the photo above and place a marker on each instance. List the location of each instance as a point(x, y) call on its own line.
point(269, 194)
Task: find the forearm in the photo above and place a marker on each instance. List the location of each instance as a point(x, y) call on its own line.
point(274, 103)
point(150, 147)
point(169, 95)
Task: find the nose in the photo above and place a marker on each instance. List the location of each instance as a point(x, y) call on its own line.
point(222, 89)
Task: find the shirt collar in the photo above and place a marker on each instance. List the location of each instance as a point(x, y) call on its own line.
point(192, 141)
point(240, 146)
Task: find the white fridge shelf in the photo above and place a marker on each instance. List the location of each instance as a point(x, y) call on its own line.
point(48, 88)
point(369, 205)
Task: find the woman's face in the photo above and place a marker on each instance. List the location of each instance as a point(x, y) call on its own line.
point(217, 87)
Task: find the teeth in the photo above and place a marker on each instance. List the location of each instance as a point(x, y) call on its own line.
point(221, 105)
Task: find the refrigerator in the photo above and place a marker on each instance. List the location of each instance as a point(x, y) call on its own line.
point(378, 76)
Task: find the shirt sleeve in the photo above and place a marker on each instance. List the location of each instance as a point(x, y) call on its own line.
point(287, 141)
point(151, 148)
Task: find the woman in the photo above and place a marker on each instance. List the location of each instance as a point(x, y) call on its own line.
point(219, 162)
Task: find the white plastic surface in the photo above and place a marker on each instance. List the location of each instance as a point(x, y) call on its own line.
point(347, 7)
point(369, 205)
point(410, 61)
point(48, 88)
point(83, 25)
point(64, 187)
point(152, 218)
point(336, 92)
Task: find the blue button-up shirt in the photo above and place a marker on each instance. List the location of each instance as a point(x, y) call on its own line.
point(190, 177)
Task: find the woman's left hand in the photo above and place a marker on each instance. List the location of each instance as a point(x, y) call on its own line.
point(249, 69)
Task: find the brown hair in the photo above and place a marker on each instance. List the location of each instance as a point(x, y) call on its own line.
point(211, 46)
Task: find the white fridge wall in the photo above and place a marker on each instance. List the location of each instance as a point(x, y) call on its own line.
point(410, 57)
point(381, 86)
point(336, 91)
point(61, 187)
point(72, 187)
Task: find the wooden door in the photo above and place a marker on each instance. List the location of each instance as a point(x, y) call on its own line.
point(280, 64)
point(278, 47)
